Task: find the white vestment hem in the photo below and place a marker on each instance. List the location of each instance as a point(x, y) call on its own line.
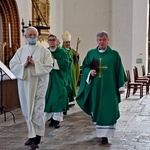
point(105, 131)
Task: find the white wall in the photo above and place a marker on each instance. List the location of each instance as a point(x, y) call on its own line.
point(140, 33)
point(84, 19)
point(121, 30)
point(56, 17)
point(25, 12)
point(125, 20)
point(129, 31)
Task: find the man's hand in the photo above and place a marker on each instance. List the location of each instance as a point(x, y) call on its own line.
point(121, 92)
point(28, 62)
point(77, 54)
point(93, 73)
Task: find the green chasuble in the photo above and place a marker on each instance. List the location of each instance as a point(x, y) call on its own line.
point(74, 70)
point(56, 96)
point(101, 97)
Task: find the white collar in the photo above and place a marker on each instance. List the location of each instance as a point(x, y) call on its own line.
point(52, 49)
point(101, 50)
point(68, 49)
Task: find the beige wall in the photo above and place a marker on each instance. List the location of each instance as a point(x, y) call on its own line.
point(125, 20)
point(129, 31)
point(140, 32)
point(121, 29)
point(84, 19)
point(24, 8)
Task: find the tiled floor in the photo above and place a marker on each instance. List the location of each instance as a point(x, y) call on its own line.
point(77, 131)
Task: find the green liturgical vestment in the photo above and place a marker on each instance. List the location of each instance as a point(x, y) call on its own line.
point(74, 70)
point(100, 98)
point(56, 96)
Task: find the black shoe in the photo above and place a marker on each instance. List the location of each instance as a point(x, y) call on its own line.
point(28, 142)
point(65, 113)
point(38, 139)
point(56, 124)
point(52, 123)
point(71, 98)
point(34, 145)
point(104, 140)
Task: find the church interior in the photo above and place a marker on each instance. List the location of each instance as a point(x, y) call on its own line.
point(128, 25)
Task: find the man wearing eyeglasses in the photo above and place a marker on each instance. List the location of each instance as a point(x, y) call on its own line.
point(56, 96)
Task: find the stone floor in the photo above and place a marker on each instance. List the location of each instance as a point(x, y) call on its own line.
point(77, 131)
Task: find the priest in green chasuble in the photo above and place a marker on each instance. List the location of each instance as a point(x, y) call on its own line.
point(74, 72)
point(56, 95)
point(103, 80)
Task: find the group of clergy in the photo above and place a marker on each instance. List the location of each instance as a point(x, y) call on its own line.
point(47, 79)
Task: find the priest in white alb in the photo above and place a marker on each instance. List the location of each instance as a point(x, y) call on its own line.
point(31, 65)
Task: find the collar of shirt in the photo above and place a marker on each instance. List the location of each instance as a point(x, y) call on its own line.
point(68, 49)
point(53, 49)
point(101, 50)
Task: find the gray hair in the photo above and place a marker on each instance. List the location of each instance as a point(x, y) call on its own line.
point(31, 28)
point(100, 34)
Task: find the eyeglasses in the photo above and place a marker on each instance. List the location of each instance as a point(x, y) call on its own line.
point(53, 40)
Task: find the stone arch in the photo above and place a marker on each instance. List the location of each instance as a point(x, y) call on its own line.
point(9, 14)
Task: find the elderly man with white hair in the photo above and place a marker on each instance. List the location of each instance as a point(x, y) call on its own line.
point(31, 65)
